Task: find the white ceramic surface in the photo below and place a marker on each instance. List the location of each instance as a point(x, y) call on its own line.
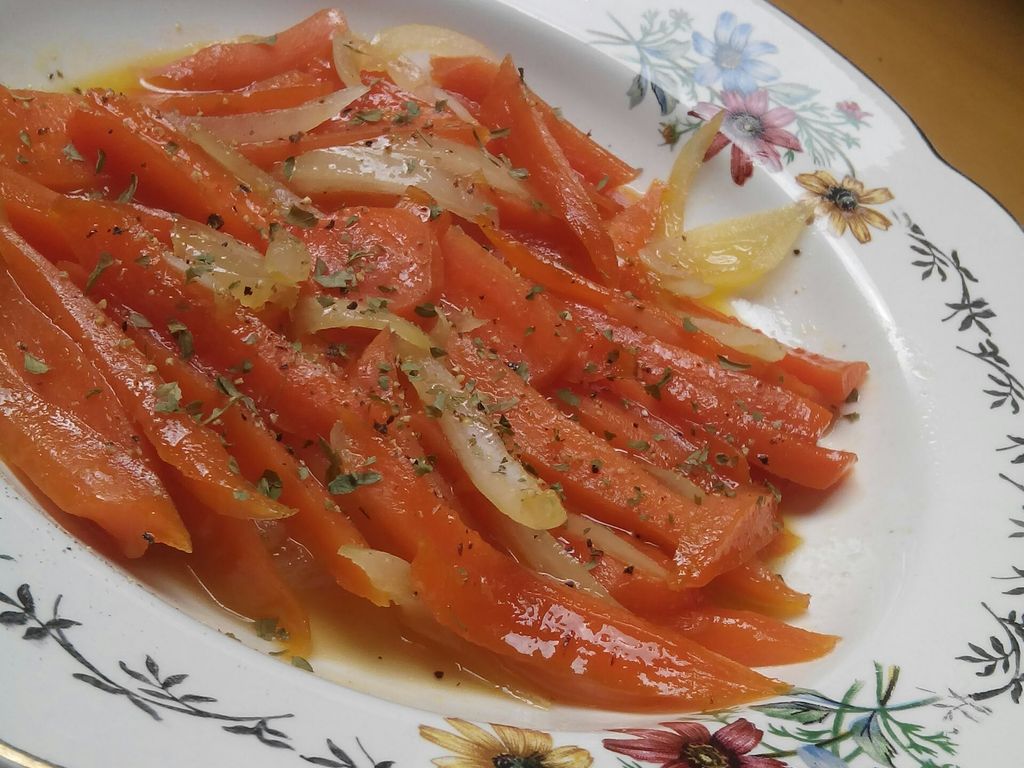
point(911, 560)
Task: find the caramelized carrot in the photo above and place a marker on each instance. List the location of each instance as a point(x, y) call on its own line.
point(474, 78)
point(643, 593)
point(653, 428)
point(34, 140)
point(289, 89)
point(26, 204)
point(835, 379)
point(532, 146)
point(171, 171)
point(757, 587)
point(396, 512)
point(392, 115)
point(707, 460)
point(63, 426)
point(633, 226)
point(384, 254)
point(519, 320)
point(571, 645)
point(704, 539)
point(643, 315)
point(231, 561)
point(776, 426)
point(318, 524)
point(752, 639)
point(226, 66)
point(153, 404)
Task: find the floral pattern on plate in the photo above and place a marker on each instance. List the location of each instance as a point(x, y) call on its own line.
point(720, 66)
point(728, 68)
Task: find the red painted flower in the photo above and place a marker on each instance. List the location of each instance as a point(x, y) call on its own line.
point(691, 745)
point(753, 130)
point(852, 112)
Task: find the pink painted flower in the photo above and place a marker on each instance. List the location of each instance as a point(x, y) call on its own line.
point(753, 130)
point(692, 745)
point(852, 112)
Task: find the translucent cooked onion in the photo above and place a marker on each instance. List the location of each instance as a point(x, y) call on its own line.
point(742, 339)
point(255, 178)
point(385, 169)
point(440, 94)
point(352, 55)
point(463, 161)
point(543, 553)
point(677, 482)
point(402, 52)
point(407, 39)
point(730, 254)
point(605, 539)
point(462, 321)
point(680, 179)
point(279, 123)
point(390, 574)
point(227, 266)
point(287, 261)
point(493, 470)
point(310, 316)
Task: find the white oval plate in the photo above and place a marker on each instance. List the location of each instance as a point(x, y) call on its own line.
point(911, 561)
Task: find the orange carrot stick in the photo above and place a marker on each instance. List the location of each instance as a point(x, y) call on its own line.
point(531, 145)
point(154, 405)
point(318, 524)
point(169, 170)
point(226, 66)
point(704, 539)
point(518, 319)
point(62, 425)
point(571, 645)
point(34, 141)
point(751, 638)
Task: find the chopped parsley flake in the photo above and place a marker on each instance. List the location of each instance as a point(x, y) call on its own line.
point(105, 260)
point(168, 397)
point(34, 365)
point(348, 482)
point(270, 484)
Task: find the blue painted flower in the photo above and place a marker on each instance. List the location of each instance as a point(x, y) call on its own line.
point(733, 57)
point(816, 757)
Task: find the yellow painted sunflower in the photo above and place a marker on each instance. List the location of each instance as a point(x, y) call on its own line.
point(845, 202)
point(507, 747)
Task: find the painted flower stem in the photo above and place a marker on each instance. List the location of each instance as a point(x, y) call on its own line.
point(792, 752)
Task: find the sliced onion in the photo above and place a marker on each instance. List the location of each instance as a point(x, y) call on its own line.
point(463, 161)
point(462, 321)
point(383, 169)
point(742, 339)
point(309, 316)
point(280, 123)
point(677, 482)
point(543, 553)
point(405, 48)
point(402, 52)
point(390, 574)
point(227, 266)
point(493, 470)
point(730, 254)
point(287, 261)
point(254, 177)
point(407, 39)
point(352, 55)
point(436, 94)
point(677, 188)
point(606, 540)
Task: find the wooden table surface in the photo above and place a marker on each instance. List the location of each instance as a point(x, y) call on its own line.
point(956, 66)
